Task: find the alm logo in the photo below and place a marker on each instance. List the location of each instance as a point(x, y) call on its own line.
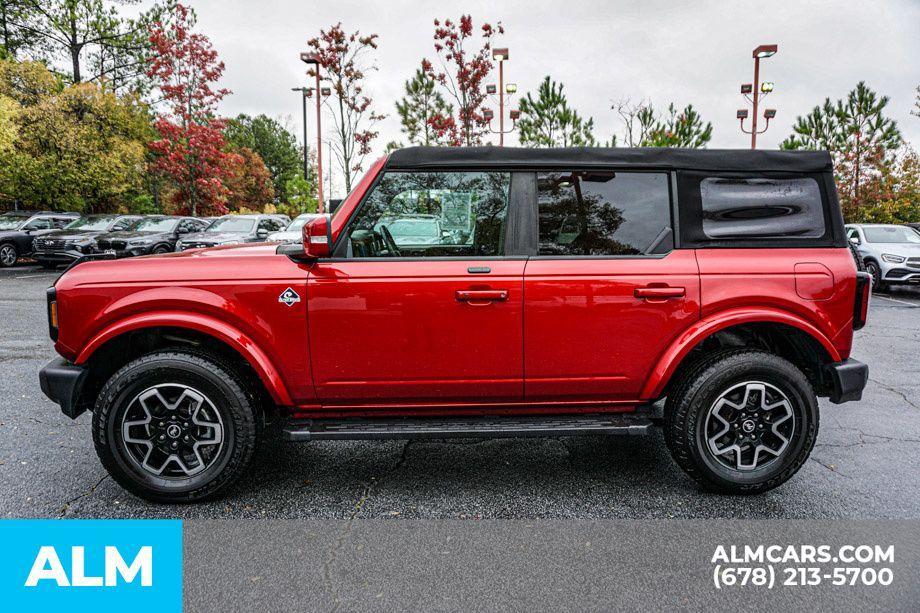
point(48, 567)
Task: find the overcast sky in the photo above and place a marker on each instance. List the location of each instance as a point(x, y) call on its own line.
point(682, 51)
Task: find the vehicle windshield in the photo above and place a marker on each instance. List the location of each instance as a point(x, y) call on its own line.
point(92, 222)
point(299, 223)
point(161, 224)
point(11, 222)
point(239, 225)
point(891, 234)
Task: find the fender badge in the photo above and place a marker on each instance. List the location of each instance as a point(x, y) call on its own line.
point(288, 297)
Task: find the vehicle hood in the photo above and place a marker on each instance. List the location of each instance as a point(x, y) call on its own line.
point(285, 237)
point(128, 235)
point(10, 234)
point(214, 238)
point(905, 249)
point(71, 235)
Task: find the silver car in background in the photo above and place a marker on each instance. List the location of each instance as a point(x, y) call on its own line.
point(294, 232)
point(890, 252)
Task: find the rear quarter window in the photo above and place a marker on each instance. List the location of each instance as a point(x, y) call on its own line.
point(761, 208)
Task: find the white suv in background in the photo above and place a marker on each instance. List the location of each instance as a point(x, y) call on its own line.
point(891, 252)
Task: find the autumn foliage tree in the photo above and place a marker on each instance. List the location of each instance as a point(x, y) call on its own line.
point(461, 73)
point(249, 183)
point(190, 151)
point(343, 59)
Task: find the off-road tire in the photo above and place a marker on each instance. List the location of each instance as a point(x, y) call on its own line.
point(231, 394)
point(701, 384)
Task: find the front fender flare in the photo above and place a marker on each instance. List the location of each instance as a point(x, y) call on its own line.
point(668, 362)
point(205, 324)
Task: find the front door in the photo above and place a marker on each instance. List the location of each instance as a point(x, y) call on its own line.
point(606, 293)
point(421, 305)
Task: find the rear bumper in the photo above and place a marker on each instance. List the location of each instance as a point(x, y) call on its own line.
point(62, 381)
point(848, 380)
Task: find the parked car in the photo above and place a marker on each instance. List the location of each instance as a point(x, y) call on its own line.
point(151, 235)
point(891, 253)
point(718, 282)
point(408, 230)
point(76, 239)
point(18, 231)
point(234, 229)
point(293, 233)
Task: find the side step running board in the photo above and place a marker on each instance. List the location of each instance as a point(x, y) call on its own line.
point(469, 427)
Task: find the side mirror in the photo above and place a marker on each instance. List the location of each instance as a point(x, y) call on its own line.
point(262, 232)
point(854, 240)
point(317, 237)
point(182, 230)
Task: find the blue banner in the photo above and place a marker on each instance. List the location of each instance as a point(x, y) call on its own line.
point(99, 565)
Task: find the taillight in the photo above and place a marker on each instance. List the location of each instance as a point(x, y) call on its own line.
point(861, 306)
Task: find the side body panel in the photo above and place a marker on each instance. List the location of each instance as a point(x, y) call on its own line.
point(816, 286)
point(230, 294)
point(588, 336)
point(392, 331)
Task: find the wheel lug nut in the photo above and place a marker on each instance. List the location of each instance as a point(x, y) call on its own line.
point(162, 437)
point(185, 438)
point(174, 445)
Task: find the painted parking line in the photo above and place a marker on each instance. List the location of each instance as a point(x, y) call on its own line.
point(910, 304)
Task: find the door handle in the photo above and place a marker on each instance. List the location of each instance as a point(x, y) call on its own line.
point(482, 296)
point(659, 292)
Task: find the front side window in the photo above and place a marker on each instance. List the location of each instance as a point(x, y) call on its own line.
point(603, 213)
point(42, 223)
point(432, 214)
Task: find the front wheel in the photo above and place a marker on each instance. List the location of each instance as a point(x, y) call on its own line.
point(875, 271)
point(8, 255)
point(175, 426)
point(742, 421)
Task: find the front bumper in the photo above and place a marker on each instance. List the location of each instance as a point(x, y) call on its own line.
point(848, 380)
point(58, 257)
point(62, 382)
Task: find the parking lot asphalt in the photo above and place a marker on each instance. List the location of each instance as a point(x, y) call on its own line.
point(865, 465)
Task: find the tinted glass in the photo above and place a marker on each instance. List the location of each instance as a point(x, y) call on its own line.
point(241, 225)
point(890, 234)
point(42, 223)
point(433, 214)
point(761, 208)
point(604, 213)
point(155, 225)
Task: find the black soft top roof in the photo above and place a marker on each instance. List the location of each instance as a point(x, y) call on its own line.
point(738, 160)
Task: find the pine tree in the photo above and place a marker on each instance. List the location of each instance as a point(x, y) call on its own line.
point(419, 106)
point(548, 121)
point(857, 134)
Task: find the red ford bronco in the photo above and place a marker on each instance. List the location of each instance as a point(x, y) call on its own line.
point(485, 292)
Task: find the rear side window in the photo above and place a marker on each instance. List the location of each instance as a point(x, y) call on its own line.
point(761, 208)
point(603, 213)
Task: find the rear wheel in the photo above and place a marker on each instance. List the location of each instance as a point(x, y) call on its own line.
point(741, 421)
point(8, 254)
point(175, 426)
point(161, 250)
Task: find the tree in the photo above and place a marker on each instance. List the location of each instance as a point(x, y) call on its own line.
point(80, 149)
point(15, 39)
point(190, 150)
point(892, 195)
point(275, 145)
point(343, 60)
point(461, 74)
point(418, 106)
point(27, 83)
point(857, 134)
point(77, 29)
point(916, 109)
point(644, 127)
point(548, 121)
point(249, 183)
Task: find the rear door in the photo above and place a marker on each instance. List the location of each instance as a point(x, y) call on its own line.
point(423, 313)
point(606, 292)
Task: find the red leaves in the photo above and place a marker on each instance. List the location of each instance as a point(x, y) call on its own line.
point(462, 75)
point(186, 68)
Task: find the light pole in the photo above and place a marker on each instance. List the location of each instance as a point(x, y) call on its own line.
point(501, 55)
point(762, 51)
point(313, 59)
point(306, 92)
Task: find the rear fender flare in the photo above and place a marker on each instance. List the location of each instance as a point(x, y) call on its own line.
point(667, 364)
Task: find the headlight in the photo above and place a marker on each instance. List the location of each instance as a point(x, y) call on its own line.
point(893, 259)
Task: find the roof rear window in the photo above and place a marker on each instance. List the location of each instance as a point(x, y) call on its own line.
point(761, 208)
